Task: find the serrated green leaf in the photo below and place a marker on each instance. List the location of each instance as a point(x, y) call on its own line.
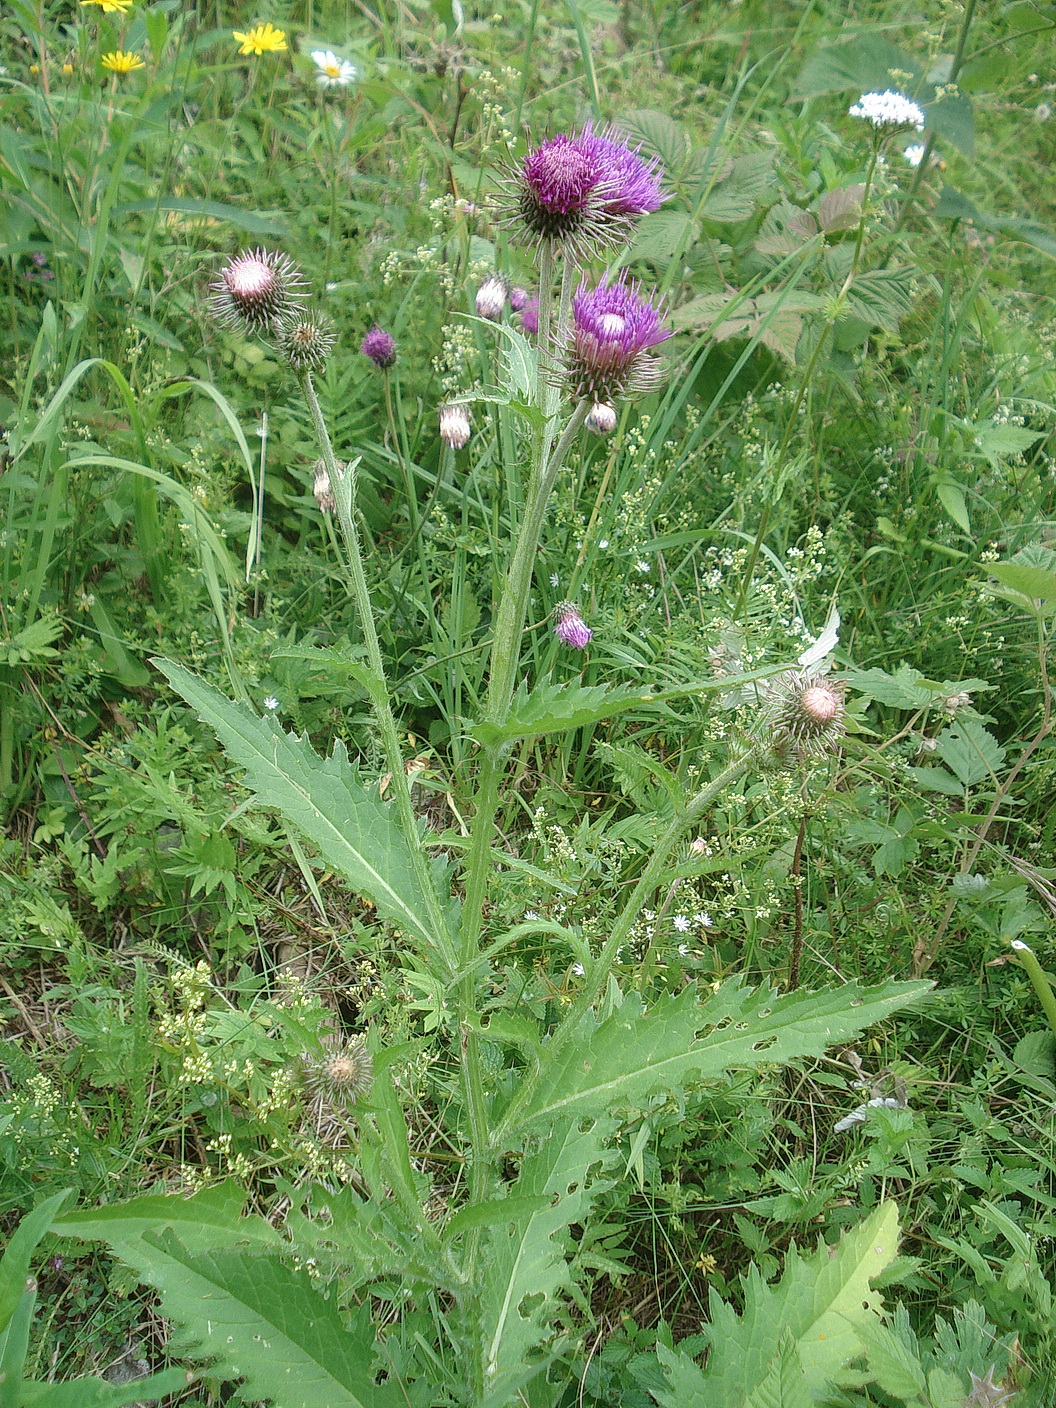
point(211, 1218)
point(354, 831)
point(1035, 582)
point(970, 751)
point(863, 63)
point(737, 196)
point(634, 1053)
point(555, 708)
point(894, 1366)
point(881, 297)
point(658, 235)
point(951, 118)
point(905, 689)
point(658, 135)
point(997, 439)
point(98, 1393)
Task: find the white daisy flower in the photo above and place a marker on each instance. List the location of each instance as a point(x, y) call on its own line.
point(271, 703)
point(332, 71)
point(889, 110)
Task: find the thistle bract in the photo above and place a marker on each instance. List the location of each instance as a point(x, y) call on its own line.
point(807, 714)
point(255, 289)
point(306, 340)
point(605, 353)
point(583, 191)
point(380, 347)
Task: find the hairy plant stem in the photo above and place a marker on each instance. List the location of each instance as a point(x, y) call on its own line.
point(343, 484)
point(651, 878)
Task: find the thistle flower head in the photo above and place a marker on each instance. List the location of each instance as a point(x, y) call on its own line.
point(530, 314)
point(322, 488)
point(255, 289)
point(807, 714)
point(341, 1074)
point(491, 297)
point(518, 298)
point(602, 418)
point(380, 347)
point(569, 626)
point(454, 425)
point(583, 191)
point(889, 111)
point(606, 347)
point(306, 340)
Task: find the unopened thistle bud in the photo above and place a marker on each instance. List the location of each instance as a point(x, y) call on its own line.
point(601, 419)
point(518, 298)
point(530, 315)
point(255, 289)
point(306, 340)
point(570, 627)
point(380, 347)
point(454, 425)
point(322, 489)
point(342, 1074)
point(807, 714)
point(491, 298)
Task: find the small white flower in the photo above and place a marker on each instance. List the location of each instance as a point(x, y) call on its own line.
point(578, 969)
point(889, 110)
point(643, 566)
point(271, 703)
point(704, 920)
point(554, 579)
point(530, 916)
point(332, 71)
point(914, 154)
point(681, 923)
point(603, 544)
point(683, 950)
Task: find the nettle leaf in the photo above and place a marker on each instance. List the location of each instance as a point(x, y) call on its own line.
point(970, 751)
point(739, 193)
point(657, 134)
point(865, 62)
point(881, 297)
point(1038, 583)
point(525, 1261)
point(821, 1308)
point(634, 1053)
point(660, 234)
point(906, 688)
point(353, 830)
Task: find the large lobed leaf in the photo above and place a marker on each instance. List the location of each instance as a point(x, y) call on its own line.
point(354, 831)
point(633, 1053)
point(793, 1339)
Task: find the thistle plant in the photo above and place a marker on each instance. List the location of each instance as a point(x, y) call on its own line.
point(491, 1249)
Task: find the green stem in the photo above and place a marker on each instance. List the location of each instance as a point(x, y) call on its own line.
point(652, 876)
point(1039, 980)
point(343, 483)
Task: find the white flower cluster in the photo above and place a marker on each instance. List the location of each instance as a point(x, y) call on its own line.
point(889, 109)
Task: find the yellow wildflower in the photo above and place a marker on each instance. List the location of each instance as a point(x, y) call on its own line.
point(111, 7)
point(120, 61)
point(264, 39)
point(67, 69)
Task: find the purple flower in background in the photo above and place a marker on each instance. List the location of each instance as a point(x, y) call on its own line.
point(570, 627)
point(583, 191)
point(530, 314)
point(606, 349)
point(518, 298)
point(380, 347)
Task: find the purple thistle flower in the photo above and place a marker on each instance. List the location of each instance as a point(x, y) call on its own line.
point(530, 314)
point(519, 298)
point(583, 191)
point(255, 289)
point(380, 347)
point(570, 627)
point(606, 348)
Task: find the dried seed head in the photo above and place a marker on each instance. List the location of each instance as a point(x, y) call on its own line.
point(491, 297)
point(569, 626)
point(306, 340)
point(454, 425)
point(807, 715)
point(341, 1074)
point(255, 289)
point(380, 347)
point(321, 488)
point(602, 418)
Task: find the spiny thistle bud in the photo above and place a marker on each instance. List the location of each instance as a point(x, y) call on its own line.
point(583, 191)
point(518, 298)
point(606, 347)
point(807, 714)
point(343, 1073)
point(380, 347)
point(321, 488)
point(491, 298)
point(570, 627)
point(255, 289)
point(602, 418)
point(306, 340)
point(454, 425)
